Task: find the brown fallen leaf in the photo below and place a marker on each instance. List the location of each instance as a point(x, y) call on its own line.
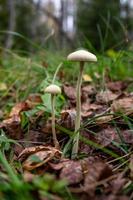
point(87, 78)
point(36, 160)
point(104, 119)
point(117, 85)
point(14, 119)
point(33, 100)
point(87, 114)
point(14, 115)
point(19, 107)
point(31, 150)
point(111, 197)
point(105, 136)
point(93, 173)
point(12, 127)
point(68, 118)
point(95, 107)
point(12, 124)
point(90, 109)
point(127, 136)
point(34, 157)
point(72, 172)
point(59, 165)
point(85, 107)
point(89, 90)
point(69, 91)
point(17, 149)
point(117, 184)
point(34, 137)
point(131, 167)
point(124, 105)
point(47, 127)
point(106, 97)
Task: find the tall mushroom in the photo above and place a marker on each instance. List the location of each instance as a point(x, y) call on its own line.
point(82, 56)
point(53, 90)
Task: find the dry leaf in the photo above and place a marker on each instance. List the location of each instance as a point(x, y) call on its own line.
point(103, 119)
point(59, 165)
point(127, 136)
point(89, 110)
point(12, 124)
point(93, 173)
point(124, 105)
point(131, 167)
point(117, 85)
point(89, 90)
point(105, 136)
point(3, 86)
point(117, 184)
point(68, 118)
point(14, 115)
point(31, 150)
point(70, 92)
point(87, 78)
point(33, 100)
point(85, 107)
point(111, 197)
point(106, 96)
point(72, 172)
point(19, 107)
point(35, 157)
point(47, 127)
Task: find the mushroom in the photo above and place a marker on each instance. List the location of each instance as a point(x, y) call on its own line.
point(82, 56)
point(53, 90)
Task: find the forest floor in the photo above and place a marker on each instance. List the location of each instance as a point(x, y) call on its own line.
point(31, 167)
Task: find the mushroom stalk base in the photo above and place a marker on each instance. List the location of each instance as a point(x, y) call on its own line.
point(78, 113)
point(56, 143)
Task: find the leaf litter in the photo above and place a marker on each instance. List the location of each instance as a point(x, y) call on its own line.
point(95, 174)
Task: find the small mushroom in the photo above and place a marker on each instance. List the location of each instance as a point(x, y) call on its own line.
point(53, 90)
point(82, 56)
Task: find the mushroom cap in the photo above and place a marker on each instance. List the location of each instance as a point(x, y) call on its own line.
point(82, 55)
point(53, 89)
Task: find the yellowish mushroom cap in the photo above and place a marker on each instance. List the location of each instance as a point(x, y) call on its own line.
point(53, 89)
point(82, 55)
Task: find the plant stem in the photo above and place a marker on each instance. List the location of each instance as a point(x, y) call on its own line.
point(56, 72)
point(56, 143)
point(15, 180)
point(78, 113)
point(18, 186)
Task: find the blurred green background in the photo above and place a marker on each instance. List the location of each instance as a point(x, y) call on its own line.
point(58, 24)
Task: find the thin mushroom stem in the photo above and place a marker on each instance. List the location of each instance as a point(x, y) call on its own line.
point(56, 72)
point(56, 143)
point(78, 113)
